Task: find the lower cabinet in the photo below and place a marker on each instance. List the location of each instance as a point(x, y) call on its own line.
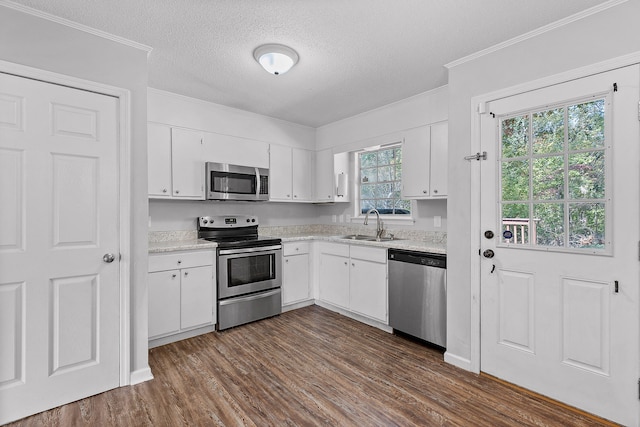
point(181, 293)
point(296, 283)
point(354, 277)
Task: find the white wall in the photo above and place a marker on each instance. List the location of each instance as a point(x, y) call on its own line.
point(39, 43)
point(609, 34)
point(385, 125)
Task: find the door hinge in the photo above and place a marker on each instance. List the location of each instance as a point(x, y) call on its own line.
point(477, 156)
point(638, 388)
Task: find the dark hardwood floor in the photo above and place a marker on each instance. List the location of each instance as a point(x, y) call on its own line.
point(304, 368)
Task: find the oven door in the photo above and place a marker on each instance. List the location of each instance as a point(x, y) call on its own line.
point(248, 270)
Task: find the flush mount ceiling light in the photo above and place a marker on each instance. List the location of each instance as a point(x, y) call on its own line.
point(275, 58)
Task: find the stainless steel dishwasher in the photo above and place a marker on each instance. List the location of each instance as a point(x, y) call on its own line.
point(418, 294)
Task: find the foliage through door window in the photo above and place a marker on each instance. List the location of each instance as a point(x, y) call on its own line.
point(553, 176)
point(381, 181)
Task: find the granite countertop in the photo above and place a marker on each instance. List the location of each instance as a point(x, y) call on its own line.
point(170, 241)
point(410, 245)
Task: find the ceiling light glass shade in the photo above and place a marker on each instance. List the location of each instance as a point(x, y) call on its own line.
point(275, 58)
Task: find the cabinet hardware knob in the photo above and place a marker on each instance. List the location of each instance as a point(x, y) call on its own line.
point(164, 190)
point(186, 273)
point(173, 276)
point(177, 191)
point(179, 262)
point(435, 191)
point(353, 264)
point(345, 263)
point(286, 260)
point(424, 191)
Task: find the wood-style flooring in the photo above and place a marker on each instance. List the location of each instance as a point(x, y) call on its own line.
point(309, 367)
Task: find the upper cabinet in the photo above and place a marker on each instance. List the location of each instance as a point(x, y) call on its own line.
point(290, 174)
point(236, 151)
point(424, 162)
point(331, 183)
point(159, 158)
point(176, 168)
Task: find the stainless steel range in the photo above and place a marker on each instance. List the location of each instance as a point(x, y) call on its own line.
point(249, 275)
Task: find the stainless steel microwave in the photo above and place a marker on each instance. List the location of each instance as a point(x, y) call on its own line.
point(233, 182)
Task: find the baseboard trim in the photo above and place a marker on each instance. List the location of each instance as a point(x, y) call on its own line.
point(458, 361)
point(140, 376)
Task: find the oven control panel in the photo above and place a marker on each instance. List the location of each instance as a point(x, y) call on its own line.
point(220, 221)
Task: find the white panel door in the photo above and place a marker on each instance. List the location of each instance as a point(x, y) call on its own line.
point(59, 301)
point(560, 223)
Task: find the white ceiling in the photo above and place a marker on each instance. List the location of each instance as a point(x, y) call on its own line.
point(355, 55)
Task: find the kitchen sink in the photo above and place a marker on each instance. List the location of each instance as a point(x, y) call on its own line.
point(367, 238)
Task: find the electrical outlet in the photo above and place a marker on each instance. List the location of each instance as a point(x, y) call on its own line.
point(334, 218)
point(341, 218)
point(437, 221)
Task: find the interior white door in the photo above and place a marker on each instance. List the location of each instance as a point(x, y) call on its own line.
point(560, 223)
point(59, 299)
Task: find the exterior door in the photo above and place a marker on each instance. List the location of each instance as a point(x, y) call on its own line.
point(560, 223)
point(59, 300)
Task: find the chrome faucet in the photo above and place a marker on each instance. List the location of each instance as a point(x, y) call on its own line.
point(379, 224)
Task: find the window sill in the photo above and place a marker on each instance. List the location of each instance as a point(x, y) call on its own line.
point(386, 219)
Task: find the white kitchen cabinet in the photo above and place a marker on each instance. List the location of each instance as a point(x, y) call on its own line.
point(187, 164)
point(331, 172)
point(290, 174)
point(236, 151)
point(424, 162)
point(296, 272)
point(439, 155)
point(368, 282)
point(334, 274)
point(159, 160)
point(354, 277)
point(181, 293)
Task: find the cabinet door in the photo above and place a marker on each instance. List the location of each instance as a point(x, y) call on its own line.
point(187, 164)
point(334, 279)
point(159, 160)
point(196, 297)
point(439, 159)
point(280, 172)
point(164, 303)
point(416, 155)
point(325, 181)
point(295, 279)
point(236, 151)
point(302, 167)
point(368, 289)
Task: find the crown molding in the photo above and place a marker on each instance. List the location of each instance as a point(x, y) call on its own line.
point(75, 25)
point(531, 34)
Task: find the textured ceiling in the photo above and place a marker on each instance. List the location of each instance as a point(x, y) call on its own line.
point(355, 55)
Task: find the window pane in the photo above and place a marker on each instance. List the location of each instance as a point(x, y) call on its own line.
point(586, 175)
point(386, 157)
point(368, 159)
point(548, 131)
point(515, 223)
point(586, 225)
point(586, 125)
point(386, 173)
point(384, 191)
point(515, 136)
point(369, 175)
point(547, 227)
point(367, 191)
point(515, 180)
point(548, 178)
point(367, 204)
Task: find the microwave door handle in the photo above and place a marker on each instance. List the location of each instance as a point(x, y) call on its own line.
point(257, 182)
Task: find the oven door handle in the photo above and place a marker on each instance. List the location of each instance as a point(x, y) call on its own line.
point(249, 250)
point(252, 297)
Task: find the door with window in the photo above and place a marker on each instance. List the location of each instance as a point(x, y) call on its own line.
point(560, 223)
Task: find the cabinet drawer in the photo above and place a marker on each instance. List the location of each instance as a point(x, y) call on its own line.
point(337, 249)
point(160, 262)
point(295, 248)
point(369, 254)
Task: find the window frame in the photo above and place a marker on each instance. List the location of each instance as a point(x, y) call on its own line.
point(566, 201)
point(388, 218)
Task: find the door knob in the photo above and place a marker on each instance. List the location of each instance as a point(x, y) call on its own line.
point(108, 258)
point(488, 253)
